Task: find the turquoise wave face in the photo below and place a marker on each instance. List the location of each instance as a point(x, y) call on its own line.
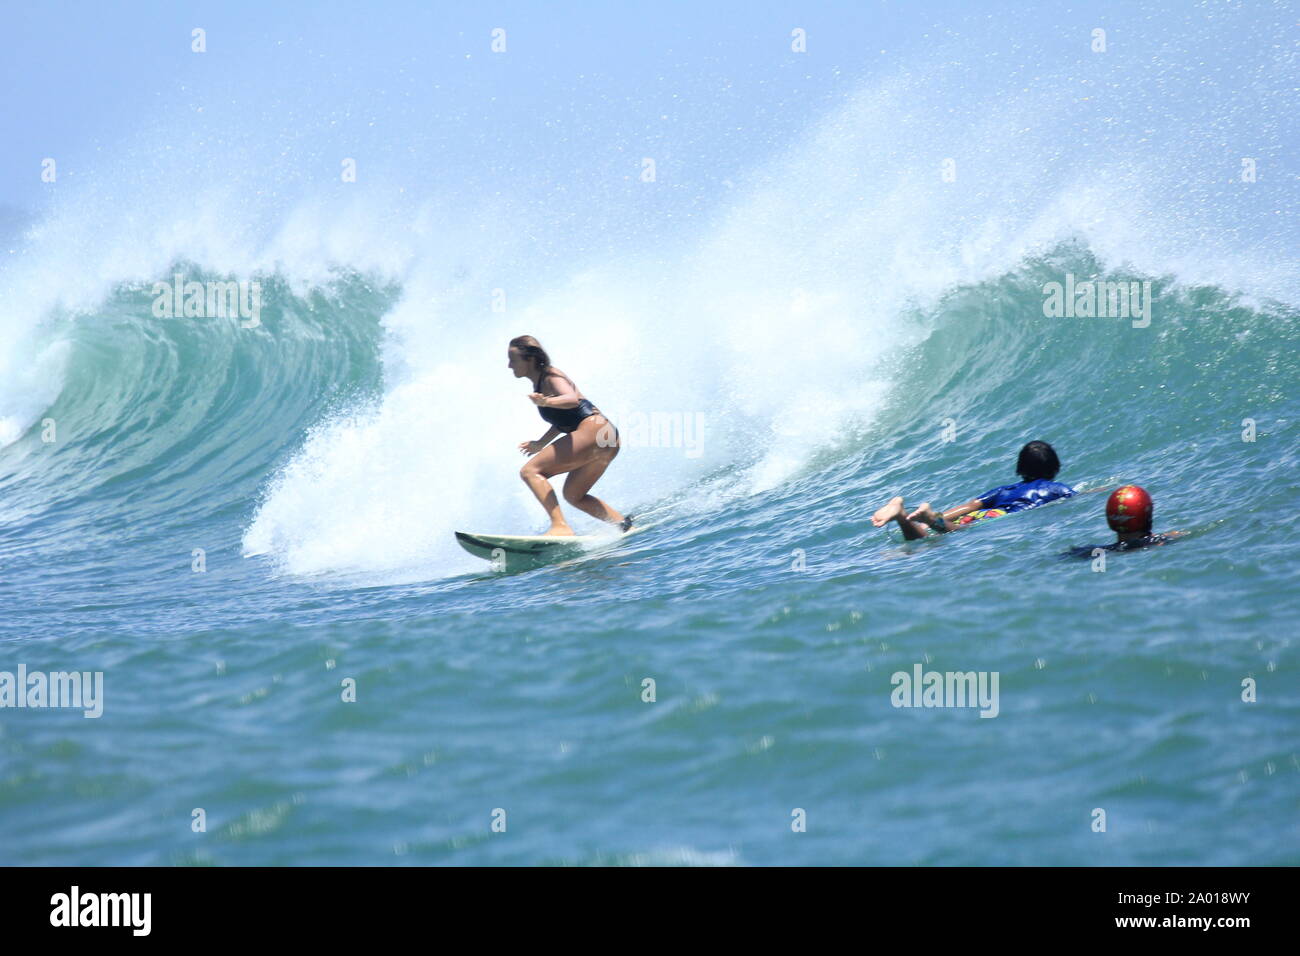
point(771, 623)
point(165, 429)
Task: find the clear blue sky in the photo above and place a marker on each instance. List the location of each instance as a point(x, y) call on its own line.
point(83, 76)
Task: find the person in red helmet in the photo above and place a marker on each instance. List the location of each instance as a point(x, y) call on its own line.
point(1129, 512)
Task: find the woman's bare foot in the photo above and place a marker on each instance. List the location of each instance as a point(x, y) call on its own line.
point(888, 513)
point(559, 531)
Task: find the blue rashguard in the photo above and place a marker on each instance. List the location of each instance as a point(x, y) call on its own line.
point(1025, 494)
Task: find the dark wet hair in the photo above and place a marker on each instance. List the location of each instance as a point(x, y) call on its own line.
point(1037, 460)
point(529, 347)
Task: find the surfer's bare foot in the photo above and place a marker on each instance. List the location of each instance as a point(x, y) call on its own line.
point(559, 531)
point(890, 512)
point(924, 513)
point(895, 511)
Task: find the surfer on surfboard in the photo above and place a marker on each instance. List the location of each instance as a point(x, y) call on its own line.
point(1037, 467)
point(587, 441)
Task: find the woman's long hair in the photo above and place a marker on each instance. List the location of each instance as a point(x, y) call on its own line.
point(529, 347)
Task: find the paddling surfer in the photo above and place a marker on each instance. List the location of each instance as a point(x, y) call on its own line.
point(1037, 466)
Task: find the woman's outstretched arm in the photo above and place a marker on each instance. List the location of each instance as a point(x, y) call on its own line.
point(533, 447)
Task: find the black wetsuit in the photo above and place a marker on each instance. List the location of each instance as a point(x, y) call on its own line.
point(1133, 545)
point(565, 419)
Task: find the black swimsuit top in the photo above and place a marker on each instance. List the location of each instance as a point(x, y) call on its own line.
point(565, 419)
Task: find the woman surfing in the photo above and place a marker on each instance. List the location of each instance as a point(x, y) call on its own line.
point(589, 442)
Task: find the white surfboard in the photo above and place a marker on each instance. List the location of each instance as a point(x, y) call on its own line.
point(517, 549)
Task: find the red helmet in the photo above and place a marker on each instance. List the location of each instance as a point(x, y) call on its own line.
point(1129, 508)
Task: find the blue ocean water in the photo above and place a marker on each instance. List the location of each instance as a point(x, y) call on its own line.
point(237, 526)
